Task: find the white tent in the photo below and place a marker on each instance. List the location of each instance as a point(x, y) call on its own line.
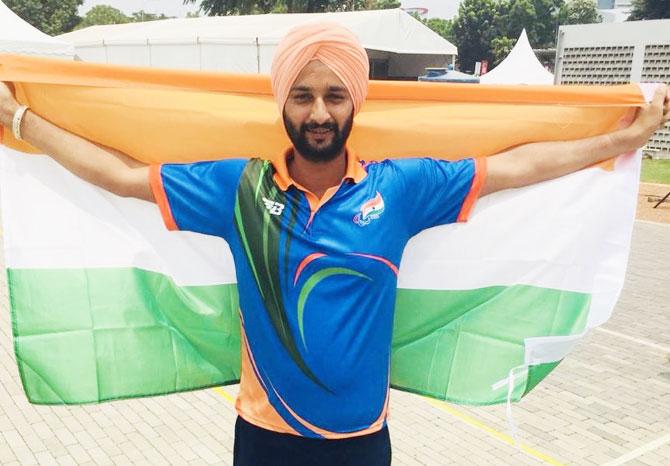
point(521, 66)
point(17, 36)
point(398, 45)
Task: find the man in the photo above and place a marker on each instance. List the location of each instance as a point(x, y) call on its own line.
point(317, 238)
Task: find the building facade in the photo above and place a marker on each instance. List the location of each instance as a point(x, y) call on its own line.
point(617, 53)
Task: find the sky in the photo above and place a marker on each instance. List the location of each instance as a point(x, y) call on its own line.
point(436, 8)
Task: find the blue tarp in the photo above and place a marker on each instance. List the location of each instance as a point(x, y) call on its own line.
point(447, 75)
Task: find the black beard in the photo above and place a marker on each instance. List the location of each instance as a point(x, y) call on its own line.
point(298, 137)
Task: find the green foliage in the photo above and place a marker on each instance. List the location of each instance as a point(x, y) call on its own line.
point(250, 7)
point(247, 7)
point(579, 12)
point(501, 47)
point(476, 25)
point(52, 17)
point(444, 27)
point(545, 29)
point(649, 9)
point(103, 14)
point(655, 171)
point(142, 16)
point(538, 17)
point(383, 5)
point(519, 14)
point(487, 29)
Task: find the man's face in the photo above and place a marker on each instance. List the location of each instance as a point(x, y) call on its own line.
point(318, 114)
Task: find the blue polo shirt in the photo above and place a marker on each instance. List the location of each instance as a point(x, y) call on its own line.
point(316, 277)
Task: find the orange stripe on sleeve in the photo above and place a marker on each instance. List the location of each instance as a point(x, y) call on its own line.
point(158, 190)
point(477, 184)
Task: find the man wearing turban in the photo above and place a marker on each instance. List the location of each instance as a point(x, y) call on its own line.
point(317, 237)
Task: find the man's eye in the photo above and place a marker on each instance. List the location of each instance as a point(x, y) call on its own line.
point(336, 97)
point(302, 97)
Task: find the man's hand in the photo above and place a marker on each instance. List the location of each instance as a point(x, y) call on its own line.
point(8, 105)
point(105, 167)
point(649, 119)
point(532, 163)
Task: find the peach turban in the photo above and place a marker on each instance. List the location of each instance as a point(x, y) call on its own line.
point(330, 43)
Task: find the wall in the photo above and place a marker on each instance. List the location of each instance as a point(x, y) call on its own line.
point(617, 53)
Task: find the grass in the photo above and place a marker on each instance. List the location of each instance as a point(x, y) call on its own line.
point(655, 171)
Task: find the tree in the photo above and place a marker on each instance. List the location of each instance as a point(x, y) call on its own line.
point(443, 27)
point(500, 48)
point(52, 17)
point(545, 28)
point(142, 16)
point(383, 5)
point(649, 9)
point(487, 29)
point(246, 7)
point(103, 14)
point(475, 26)
point(538, 17)
point(580, 12)
point(228, 7)
point(518, 14)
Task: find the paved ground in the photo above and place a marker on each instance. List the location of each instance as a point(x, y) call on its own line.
point(608, 403)
point(649, 196)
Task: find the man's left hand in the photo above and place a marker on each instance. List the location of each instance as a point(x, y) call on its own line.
point(649, 119)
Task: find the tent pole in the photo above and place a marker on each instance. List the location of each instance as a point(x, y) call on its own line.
point(258, 57)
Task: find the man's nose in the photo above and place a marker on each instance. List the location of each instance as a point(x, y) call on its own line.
point(320, 114)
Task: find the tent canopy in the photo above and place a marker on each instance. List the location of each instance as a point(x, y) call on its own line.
point(521, 66)
point(246, 43)
point(17, 36)
point(388, 30)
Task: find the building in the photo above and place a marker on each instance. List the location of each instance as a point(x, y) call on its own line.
point(398, 45)
point(614, 11)
point(611, 4)
point(617, 53)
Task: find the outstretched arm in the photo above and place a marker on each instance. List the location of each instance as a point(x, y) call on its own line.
point(532, 163)
point(104, 167)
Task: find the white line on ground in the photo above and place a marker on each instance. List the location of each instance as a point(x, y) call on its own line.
point(654, 223)
point(659, 185)
point(654, 444)
point(640, 341)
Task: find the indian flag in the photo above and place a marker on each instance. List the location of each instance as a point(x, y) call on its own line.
point(107, 304)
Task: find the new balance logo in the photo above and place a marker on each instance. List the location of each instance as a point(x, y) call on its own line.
point(274, 208)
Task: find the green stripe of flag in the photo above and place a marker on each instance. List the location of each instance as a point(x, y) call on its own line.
point(455, 345)
point(87, 335)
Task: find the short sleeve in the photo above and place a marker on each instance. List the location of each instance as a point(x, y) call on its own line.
point(198, 197)
point(438, 191)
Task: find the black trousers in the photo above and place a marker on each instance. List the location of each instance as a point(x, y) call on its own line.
point(255, 446)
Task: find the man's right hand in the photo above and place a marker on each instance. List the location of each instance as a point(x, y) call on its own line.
point(8, 105)
point(110, 169)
